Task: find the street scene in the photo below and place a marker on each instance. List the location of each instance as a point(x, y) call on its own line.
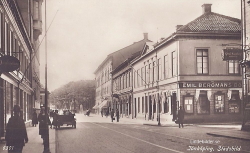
point(135, 76)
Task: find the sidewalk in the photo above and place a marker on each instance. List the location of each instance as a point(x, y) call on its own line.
point(232, 130)
point(232, 133)
point(35, 143)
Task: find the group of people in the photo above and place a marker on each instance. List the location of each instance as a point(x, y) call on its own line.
point(113, 114)
point(16, 133)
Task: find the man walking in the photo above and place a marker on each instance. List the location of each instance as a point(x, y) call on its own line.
point(117, 115)
point(16, 133)
point(112, 113)
point(181, 116)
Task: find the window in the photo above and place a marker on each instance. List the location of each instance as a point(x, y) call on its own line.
point(146, 74)
point(219, 105)
point(155, 77)
point(135, 75)
point(203, 105)
point(202, 61)
point(146, 104)
point(233, 67)
point(150, 75)
point(142, 104)
point(138, 78)
point(6, 38)
point(159, 69)
point(189, 104)
point(142, 74)
point(234, 102)
point(174, 64)
point(166, 68)
point(139, 104)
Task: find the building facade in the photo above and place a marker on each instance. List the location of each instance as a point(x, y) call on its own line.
point(103, 75)
point(20, 23)
point(245, 8)
point(187, 69)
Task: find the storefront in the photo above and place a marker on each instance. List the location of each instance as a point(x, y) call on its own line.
point(211, 101)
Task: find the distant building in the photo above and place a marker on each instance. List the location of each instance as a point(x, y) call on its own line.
point(104, 78)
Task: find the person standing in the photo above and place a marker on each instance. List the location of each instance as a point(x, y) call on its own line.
point(112, 113)
point(34, 118)
point(102, 112)
point(16, 134)
point(43, 124)
point(181, 113)
point(117, 115)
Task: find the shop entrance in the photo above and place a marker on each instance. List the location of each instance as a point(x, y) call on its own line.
point(150, 108)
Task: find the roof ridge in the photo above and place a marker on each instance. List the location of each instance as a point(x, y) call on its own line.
point(143, 40)
point(193, 23)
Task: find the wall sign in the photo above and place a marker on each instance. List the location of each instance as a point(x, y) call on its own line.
point(232, 54)
point(9, 63)
point(211, 84)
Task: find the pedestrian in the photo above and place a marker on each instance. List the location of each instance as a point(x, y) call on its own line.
point(16, 134)
point(34, 118)
point(117, 115)
point(54, 122)
point(107, 113)
point(112, 113)
point(102, 112)
point(180, 119)
point(43, 124)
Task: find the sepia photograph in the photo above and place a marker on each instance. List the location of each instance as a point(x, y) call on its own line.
point(131, 76)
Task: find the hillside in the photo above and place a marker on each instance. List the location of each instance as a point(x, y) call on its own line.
point(74, 94)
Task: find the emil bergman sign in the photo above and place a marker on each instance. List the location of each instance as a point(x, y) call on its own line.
point(211, 84)
point(232, 54)
point(9, 63)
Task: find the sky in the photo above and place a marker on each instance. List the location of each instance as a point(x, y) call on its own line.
point(81, 33)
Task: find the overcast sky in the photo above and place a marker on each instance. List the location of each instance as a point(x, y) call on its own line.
point(84, 32)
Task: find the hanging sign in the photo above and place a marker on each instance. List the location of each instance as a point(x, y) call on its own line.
point(232, 54)
point(9, 63)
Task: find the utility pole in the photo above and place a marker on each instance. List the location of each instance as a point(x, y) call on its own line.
point(46, 142)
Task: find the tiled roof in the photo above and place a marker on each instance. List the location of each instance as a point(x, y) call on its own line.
point(214, 23)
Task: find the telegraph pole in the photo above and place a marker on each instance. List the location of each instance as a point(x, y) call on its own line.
point(46, 142)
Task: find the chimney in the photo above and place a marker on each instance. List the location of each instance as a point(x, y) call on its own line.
point(145, 36)
point(206, 8)
point(178, 26)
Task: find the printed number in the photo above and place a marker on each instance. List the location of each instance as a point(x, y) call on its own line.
point(8, 147)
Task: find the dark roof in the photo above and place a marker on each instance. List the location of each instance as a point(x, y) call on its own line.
point(118, 57)
point(213, 23)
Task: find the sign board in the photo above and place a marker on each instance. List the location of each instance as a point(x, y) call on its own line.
point(9, 63)
point(211, 84)
point(232, 54)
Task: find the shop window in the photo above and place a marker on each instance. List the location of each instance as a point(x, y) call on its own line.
point(166, 104)
point(234, 102)
point(219, 100)
point(203, 105)
point(189, 104)
point(139, 104)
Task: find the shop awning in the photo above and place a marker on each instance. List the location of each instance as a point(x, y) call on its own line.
point(103, 104)
point(96, 106)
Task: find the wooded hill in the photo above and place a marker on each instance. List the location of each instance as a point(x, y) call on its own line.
point(73, 94)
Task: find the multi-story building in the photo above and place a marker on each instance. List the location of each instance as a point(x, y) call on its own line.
point(102, 74)
point(20, 29)
point(187, 69)
point(245, 8)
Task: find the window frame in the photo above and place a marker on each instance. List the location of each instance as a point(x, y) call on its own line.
point(202, 49)
point(185, 105)
point(219, 94)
